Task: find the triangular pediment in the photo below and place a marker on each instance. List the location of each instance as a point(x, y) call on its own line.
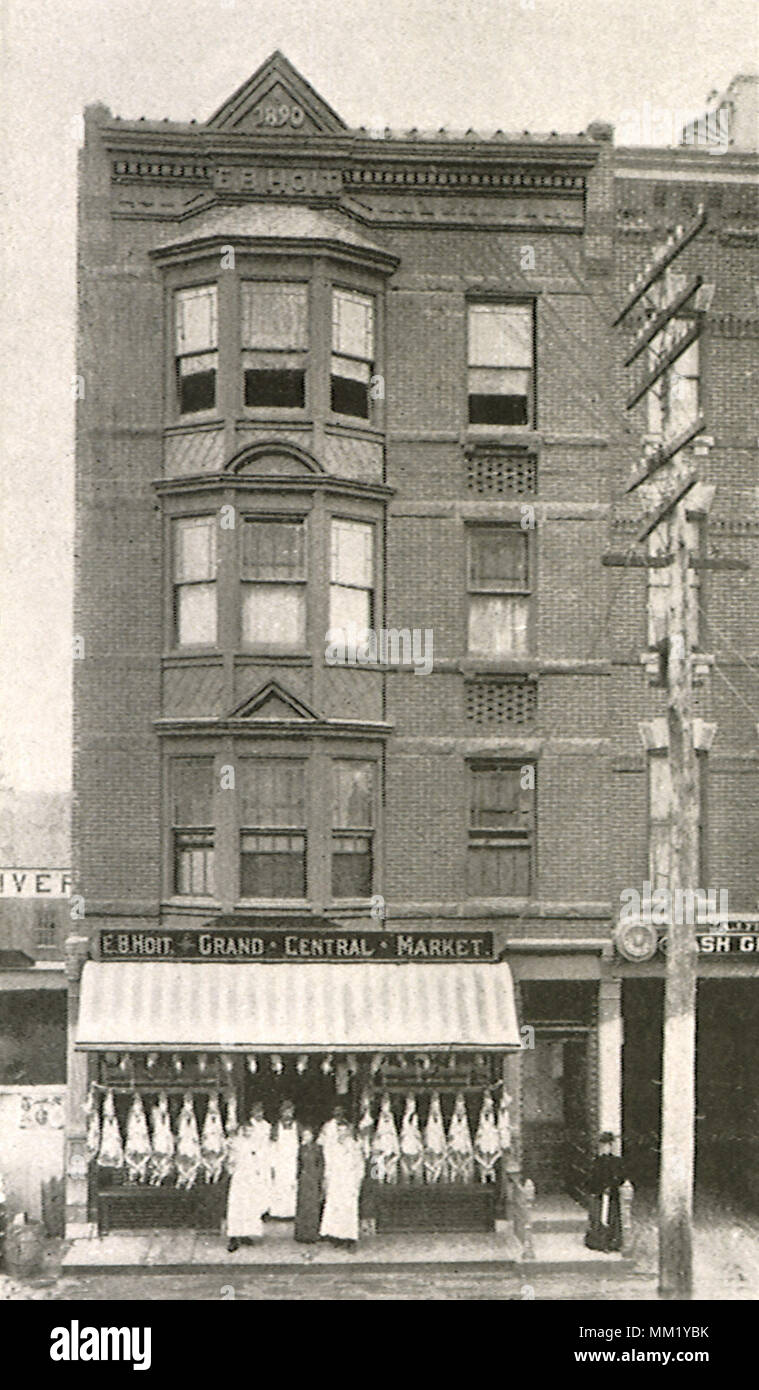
point(273, 702)
point(276, 100)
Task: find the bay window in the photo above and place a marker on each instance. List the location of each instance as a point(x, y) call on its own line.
point(196, 344)
point(192, 820)
point(352, 352)
point(274, 585)
point(272, 828)
point(194, 581)
point(352, 828)
point(498, 582)
point(500, 386)
point(274, 343)
point(501, 829)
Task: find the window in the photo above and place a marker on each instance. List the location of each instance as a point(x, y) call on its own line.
point(194, 581)
point(273, 828)
point(274, 585)
point(500, 364)
point(352, 828)
point(351, 594)
point(498, 579)
point(352, 352)
point(274, 343)
point(196, 348)
point(192, 826)
point(501, 830)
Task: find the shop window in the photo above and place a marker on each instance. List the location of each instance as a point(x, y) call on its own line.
point(501, 830)
point(194, 581)
point(352, 352)
point(501, 384)
point(274, 585)
point(351, 593)
point(498, 582)
point(196, 327)
point(192, 821)
point(273, 828)
point(275, 343)
point(352, 828)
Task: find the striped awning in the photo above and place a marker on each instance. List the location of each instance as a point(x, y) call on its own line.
point(297, 1006)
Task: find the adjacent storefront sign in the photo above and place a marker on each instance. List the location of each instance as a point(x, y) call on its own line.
point(35, 883)
point(247, 943)
point(284, 181)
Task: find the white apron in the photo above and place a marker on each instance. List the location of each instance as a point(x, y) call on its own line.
point(284, 1172)
point(249, 1187)
point(343, 1174)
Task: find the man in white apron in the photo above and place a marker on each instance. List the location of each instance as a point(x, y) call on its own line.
point(250, 1184)
point(343, 1175)
point(284, 1164)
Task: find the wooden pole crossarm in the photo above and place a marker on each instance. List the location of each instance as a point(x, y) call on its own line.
point(664, 364)
point(663, 317)
point(638, 289)
point(616, 559)
point(665, 452)
point(665, 508)
point(728, 563)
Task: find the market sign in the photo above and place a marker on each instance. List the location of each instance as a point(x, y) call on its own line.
point(729, 944)
point(247, 943)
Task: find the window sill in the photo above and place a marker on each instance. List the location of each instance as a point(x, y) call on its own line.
point(278, 414)
point(199, 655)
point(502, 434)
point(495, 666)
point(342, 423)
point(280, 906)
point(208, 419)
point(264, 658)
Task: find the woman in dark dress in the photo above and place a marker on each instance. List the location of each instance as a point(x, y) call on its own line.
point(308, 1207)
point(604, 1181)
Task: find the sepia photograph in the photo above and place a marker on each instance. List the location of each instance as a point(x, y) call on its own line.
point(379, 728)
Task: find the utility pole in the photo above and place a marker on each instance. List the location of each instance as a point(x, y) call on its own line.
point(678, 1110)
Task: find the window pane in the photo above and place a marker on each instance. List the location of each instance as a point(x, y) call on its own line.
point(499, 397)
point(500, 335)
point(196, 319)
point(498, 800)
point(498, 558)
point(273, 866)
point(349, 397)
point(274, 615)
point(498, 625)
point(193, 868)
point(500, 871)
point(352, 868)
point(352, 553)
point(353, 324)
point(197, 383)
point(278, 387)
point(352, 795)
point(273, 550)
point(350, 614)
point(192, 791)
point(272, 793)
point(194, 548)
point(195, 611)
point(274, 315)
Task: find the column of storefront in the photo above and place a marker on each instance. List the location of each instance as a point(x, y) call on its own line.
point(610, 1041)
point(77, 1224)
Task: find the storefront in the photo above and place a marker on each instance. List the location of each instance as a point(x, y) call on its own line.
point(209, 1022)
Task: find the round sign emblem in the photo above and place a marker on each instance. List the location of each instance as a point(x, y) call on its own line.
point(636, 940)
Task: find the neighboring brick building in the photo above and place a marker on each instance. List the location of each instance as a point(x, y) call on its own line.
point(399, 343)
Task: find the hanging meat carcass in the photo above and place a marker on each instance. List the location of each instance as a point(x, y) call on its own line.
point(386, 1149)
point(487, 1144)
point(137, 1146)
point(213, 1144)
point(92, 1115)
point(459, 1151)
point(504, 1121)
point(111, 1151)
point(188, 1158)
point(412, 1144)
point(434, 1143)
point(162, 1139)
point(365, 1127)
point(231, 1115)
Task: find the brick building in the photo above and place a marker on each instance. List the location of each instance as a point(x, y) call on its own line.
point(335, 381)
